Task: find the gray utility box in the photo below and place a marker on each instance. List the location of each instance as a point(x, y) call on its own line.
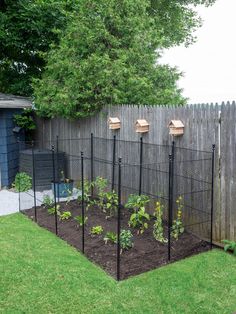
point(43, 163)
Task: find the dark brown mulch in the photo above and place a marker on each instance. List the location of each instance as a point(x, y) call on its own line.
point(146, 254)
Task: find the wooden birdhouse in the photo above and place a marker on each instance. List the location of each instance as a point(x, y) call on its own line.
point(176, 128)
point(142, 126)
point(114, 123)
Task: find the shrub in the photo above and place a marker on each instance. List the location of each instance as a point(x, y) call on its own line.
point(22, 182)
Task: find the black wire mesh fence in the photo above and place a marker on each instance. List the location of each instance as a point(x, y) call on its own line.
point(128, 206)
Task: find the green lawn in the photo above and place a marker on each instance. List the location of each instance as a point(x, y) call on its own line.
point(42, 274)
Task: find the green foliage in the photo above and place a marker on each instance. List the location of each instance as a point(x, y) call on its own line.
point(139, 220)
point(25, 120)
point(27, 30)
point(139, 217)
point(110, 203)
point(137, 202)
point(230, 246)
point(177, 226)
point(126, 240)
point(110, 237)
point(87, 193)
point(48, 201)
point(65, 215)
point(158, 230)
point(111, 57)
point(51, 210)
point(96, 230)
point(22, 182)
point(79, 220)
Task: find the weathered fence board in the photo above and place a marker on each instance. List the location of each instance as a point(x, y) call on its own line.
point(202, 129)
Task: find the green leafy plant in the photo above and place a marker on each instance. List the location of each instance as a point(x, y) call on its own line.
point(65, 215)
point(110, 237)
point(22, 182)
point(126, 240)
point(137, 202)
point(177, 226)
point(96, 230)
point(139, 217)
point(51, 210)
point(158, 230)
point(79, 220)
point(230, 246)
point(110, 203)
point(87, 193)
point(25, 120)
point(48, 201)
point(100, 184)
point(139, 220)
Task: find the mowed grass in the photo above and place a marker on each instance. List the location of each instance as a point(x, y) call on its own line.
point(39, 273)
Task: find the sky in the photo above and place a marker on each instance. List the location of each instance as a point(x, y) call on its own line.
point(209, 65)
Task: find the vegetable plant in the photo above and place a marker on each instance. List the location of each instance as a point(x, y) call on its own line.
point(51, 210)
point(110, 237)
point(65, 215)
point(110, 203)
point(139, 217)
point(137, 202)
point(22, 182)
point(100, 184)
point(158, 230)
point(177, 226)
point(96, 230)
point(87, 196)
point(79, 220)
point(230, 246)
point(126, 240)
point(48, 201)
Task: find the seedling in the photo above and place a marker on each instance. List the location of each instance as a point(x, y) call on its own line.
point(65, 215)
point(79, 219)
point(48, 201)
point(51, 210)
point(110, 237)
point(96, 230)
point(126, 240)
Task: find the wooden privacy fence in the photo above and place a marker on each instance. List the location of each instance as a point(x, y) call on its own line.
point(205, 124)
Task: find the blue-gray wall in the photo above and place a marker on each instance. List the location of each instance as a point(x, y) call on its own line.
point(9, 148)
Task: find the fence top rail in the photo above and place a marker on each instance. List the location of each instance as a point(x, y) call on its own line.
point(54, 142)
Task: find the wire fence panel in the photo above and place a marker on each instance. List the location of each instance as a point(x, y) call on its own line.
point(128, 206)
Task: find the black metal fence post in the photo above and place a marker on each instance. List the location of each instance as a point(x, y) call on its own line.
point(91, 164)
point(113, 163)
point(58, 175)
point(19, 198)
point(54, 187)
point(34, 181)
point(212, 190)
point(140, 166)
point(118, 221)
point(82, 187)
point(170, 205)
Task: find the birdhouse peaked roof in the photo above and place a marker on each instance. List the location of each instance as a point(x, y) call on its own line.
point(142, 122)
point(176, 124)
point(114, 120)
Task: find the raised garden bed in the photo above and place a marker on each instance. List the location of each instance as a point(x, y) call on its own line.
point(146, 254)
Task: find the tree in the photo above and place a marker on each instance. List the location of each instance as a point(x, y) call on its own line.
point(109, 55)
point(27, 29)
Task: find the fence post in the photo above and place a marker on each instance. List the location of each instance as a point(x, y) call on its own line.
point(19, 199)
point(118, 221)
point(140, 166)
point(54, 187)
point(170, 205)
point(82, 187)
point(91, 163)
point(34, 188)
point(212, 190)
point(113, 163)
point(58, 175)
